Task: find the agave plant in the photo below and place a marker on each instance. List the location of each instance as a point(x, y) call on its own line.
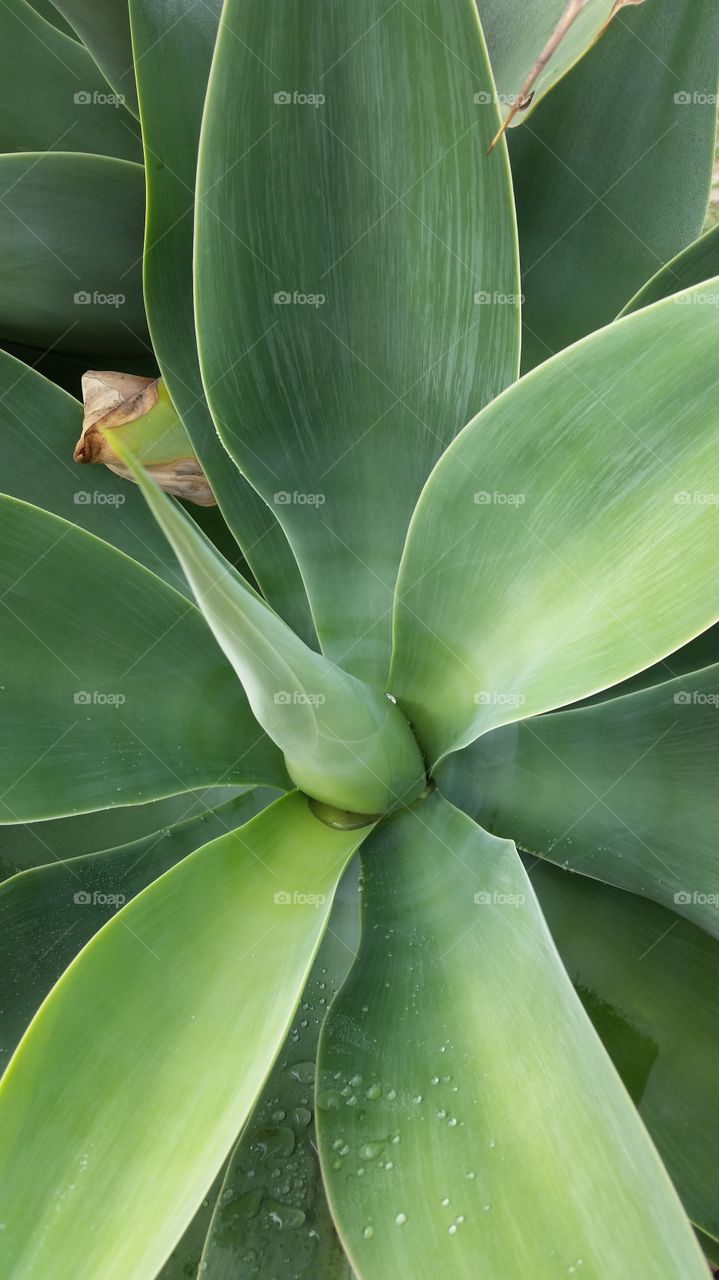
point(361, 898)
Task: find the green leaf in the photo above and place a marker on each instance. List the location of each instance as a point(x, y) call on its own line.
point(623, 791)
point(459, 1071)
point(345, 743)
point(54, 95)
point(49, 913)
point(71, 235)
point(518, 34)
point(40, 426)
point(698, 262)
point(47, 10)
point(569, 536)
point(612, 172)
point(272, 1205)
point(104, 28)
point(339, 371)
point(650, 984)
point(174, 44)
point(158, 1039)
point(36, 844)
point(113, 690)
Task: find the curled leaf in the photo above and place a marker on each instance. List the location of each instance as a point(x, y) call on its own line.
point(141, 411)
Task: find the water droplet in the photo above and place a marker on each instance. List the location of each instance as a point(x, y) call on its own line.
point(400, 1219)
point(441, 1114)
point(328, 1099)
point(303, 1072)
point(417, 1098)
point(471, 1175)
point(356, 1081)
point(368, 1233)
point(445, 1202)
point(374, 1092)
point(284, 1216)
point(435, 1079)
point(453, 1229)
point(301, 1116)
point(275, 1144)
point(392, 1094)
point(371, 1150)
point(491, 1143)
point(452, 1122)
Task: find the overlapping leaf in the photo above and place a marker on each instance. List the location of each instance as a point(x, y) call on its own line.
point(569, 537)
point(461, 1076)
point(133, 1080)
point(103, 26)
point(343, 184)
point(698, 262)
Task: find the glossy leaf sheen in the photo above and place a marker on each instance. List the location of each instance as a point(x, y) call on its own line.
point(48, 914)
point(459, 1033)
point(650, 984)
point(71, 231)
point(624, 791)
point(612, 172)
point(54, 95)
point(81, 625)
point(345, 743)
point(575, 529)
point(134, 1078)
point(339, 371)
point(173, 44)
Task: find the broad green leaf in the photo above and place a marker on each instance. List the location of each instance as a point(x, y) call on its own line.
point(699, 262)
point(173, 46)
point(702, 651)
point(343, 180)
point(569, 537)
point(344, 742)
point(47, 10)
point(112, 689)
point(272, 1205)
point(612, 172)
point(54, 96)
point(104, 28)
point(650, 984)
point(36, 844)
point(520, 32)
point(48, 914)
point(71, 236)
point(459, 1072)
point(133, 1080)
point(624, 791)
point(40, 426)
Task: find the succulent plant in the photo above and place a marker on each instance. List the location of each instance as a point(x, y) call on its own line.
point(361, 895)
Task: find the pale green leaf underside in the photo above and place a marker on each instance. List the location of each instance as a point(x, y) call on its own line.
point(650, 984)
point(40, 427)
point(48, 914)
point(173, 47)
point(459, 1033)
point(695, 264)
point(113, 689)
point(612, 172)
point(339, 370)
point(139, 1070)
point(624, 791)
point(104, 28)
point(272, 1205)
point(71, 231)
point(54, 95)
point(574, 523)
